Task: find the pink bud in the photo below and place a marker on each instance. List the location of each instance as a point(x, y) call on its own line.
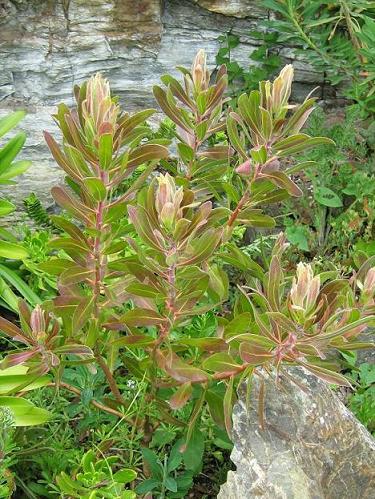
point(244, 168)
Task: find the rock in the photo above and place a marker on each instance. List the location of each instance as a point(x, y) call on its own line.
point(312, 446)
point(48, 46)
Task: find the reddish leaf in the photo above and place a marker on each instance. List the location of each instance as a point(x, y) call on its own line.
point(254, 354)
point(181, 396)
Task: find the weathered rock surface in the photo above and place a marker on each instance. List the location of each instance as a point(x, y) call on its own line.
point(312, 447)
point(47, 46)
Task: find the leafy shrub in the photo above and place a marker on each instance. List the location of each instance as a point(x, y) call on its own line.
point(142, 286)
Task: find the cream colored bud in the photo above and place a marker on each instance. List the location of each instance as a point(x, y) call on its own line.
point(199, 72)
point(305, 289)
point(38, 323)
point(168, 199)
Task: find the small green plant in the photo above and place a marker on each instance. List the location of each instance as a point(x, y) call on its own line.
point(362, 401)
point(336, 215)
point(11, 284)
point(7, 446)
point(96, 479)
point(165, 480)
point(265, 61)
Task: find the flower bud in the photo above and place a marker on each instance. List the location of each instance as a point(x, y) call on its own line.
point(199, 72)
point(244, 168)
point(38, 323)
point(304, 291)
point(99, 110)
point(168, 200)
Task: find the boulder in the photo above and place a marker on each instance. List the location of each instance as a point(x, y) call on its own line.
point(311, 446)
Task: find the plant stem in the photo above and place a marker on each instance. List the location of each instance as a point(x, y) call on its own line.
point(238, 208)
point(111, 380)
point(96, 404)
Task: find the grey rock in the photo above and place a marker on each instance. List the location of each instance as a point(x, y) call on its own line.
point(47, 46)
point(311, 447)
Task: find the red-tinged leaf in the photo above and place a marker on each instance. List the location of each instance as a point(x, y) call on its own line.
point(69, 245)
point(327, 375)
point(273, 283)
point(61, 159)
point(72, 205)
point(177, 90)
point(74, 349)
point(349, 328)
point(254, 354)
point(292, 141)
point(284, 182)
point(181, 396)
point(135, 341)
point(95, 188)
point(11, 330)
point(72, 230)
point(207, 344)
point(222, 363)
point(140, 289)
point(228, 403)
point(304, 146)
point(142, 317)
point(82, 313)
point(282, 321)
point(180, 370)
point(234, 137)
point(147, 152)
point(139, 219)
point(15, 359)
point(217, 152)
point(75, 274)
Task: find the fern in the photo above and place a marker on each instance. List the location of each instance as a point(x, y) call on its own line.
point(36, 211)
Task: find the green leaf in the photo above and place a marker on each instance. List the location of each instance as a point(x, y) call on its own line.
point(125, 476)
point(13, 251)
point(6, 207)
point(105, 150)
point(296, 234)
point(96, 188)
point(10, 121)
point(327, 197)
point(147, 486)
point(170, 484)
point(152, 460)
point(23, 289)
point(255, 218)
point(16, 168)
point(24, 412)
point(10, 151)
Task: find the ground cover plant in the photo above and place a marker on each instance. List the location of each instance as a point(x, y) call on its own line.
point(138, 353)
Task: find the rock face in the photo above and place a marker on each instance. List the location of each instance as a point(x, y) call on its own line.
point(312, 447)
point(47, 46)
